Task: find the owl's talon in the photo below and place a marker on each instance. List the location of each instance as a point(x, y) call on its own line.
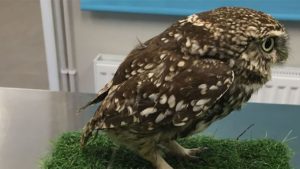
point(192, 153)
point(195, 151)
point(192, 157)
point(195, 158)
point(179, 151)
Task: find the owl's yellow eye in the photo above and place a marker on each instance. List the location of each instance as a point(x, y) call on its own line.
point(268, 44)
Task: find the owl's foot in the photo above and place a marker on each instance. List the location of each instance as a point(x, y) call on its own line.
point(176, 149)
point(192, 153)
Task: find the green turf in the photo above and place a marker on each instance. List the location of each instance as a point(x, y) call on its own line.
point(222, 154)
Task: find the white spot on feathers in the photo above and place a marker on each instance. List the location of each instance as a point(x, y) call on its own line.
point(133, 72)
point(177, 36)
point(160, 117)
point(172, 101)
point(163, 99)
point(197, 108)
point(140, 64)
point(172, 68)
point(185, 119)
point(195, 47)
point(130, 111)
point(168, 78)
point(104, 126)
point(145, 95)
point(231, 62)
point(213, 87)
point(150, 74)
point(185, 57)
point(135, 119)
point(120, 107)
point(193, 102)
point(150, 128)
point(203, 91)
point(188, 42)
point(227, 81)
point(202, 86)
point(179, 124)
point(192, 18)
point(162, 56)
point(203, 50)
point(251, 28)
point(180, 106)
point(148, 111)
point(158, 84)
point(140, 70)
point(202, 102)
point(181, 63)
point(153, 96)
point(149, 66)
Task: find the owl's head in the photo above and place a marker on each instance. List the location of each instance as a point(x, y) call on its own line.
point(246, 39)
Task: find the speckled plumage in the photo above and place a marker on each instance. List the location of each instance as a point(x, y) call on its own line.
point(176, 84)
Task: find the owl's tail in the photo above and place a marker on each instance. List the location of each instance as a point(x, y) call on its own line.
point(87, 132)
point(91, 125)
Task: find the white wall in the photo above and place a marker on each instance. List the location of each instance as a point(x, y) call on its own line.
point(116, 33)
point(22, 53)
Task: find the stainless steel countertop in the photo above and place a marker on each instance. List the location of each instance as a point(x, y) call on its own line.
point(30, 119)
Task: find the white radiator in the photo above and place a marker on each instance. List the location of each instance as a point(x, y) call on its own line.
point(105, 66)
point(284, 88)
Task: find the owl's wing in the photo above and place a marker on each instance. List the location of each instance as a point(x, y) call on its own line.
point(165, 95)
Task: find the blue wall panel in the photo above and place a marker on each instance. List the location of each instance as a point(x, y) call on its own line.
point(281, 9)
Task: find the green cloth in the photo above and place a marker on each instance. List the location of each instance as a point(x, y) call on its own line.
point(221, 154)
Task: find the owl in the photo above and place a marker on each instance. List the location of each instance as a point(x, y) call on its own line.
point(195, 72)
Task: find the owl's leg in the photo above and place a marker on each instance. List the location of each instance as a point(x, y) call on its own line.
point(153, 155)
point(177, 150)
point(157, 161)
point(146, 147)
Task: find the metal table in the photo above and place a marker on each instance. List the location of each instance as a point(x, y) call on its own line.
point(30, 119)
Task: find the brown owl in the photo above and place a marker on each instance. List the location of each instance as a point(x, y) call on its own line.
point(176, 84)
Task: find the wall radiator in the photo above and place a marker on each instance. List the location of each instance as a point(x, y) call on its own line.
point(284, 88)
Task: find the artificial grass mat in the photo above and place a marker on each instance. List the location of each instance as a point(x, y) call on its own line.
point(222, 154)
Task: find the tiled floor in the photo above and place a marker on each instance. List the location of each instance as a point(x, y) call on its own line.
point(22, 55)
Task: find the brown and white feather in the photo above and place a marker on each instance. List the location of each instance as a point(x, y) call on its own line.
point(198, 70)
